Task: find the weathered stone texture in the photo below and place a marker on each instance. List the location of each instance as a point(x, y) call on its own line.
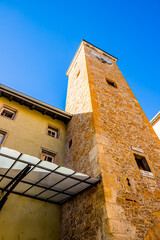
point(120, 123)
point(107, 122)
point(83, 217)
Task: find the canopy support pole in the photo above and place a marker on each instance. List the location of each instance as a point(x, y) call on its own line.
point(13, 184)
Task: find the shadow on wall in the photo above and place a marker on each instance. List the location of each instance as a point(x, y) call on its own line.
point(81, 155)
point(83, 217)
point(24, 218)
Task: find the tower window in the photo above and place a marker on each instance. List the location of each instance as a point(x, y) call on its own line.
point(142, 162)
point(2, 136)
point(78, 73)
point(111, 83)
point(48, 156)
point(7, 112)
point(52, 132)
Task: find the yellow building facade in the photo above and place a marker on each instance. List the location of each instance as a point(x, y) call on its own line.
point(27, 132)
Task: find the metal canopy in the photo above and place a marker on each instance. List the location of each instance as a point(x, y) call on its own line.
point(44, 181)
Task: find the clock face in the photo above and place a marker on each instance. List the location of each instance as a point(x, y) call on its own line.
point(102, 59)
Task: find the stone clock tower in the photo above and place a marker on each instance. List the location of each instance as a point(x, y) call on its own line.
point(110, 137)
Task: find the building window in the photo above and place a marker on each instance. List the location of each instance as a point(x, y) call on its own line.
point(142, 162)
point(111, 83)
point(48, 156)
point(7, 112)
point(2, 136)
point(52, 132)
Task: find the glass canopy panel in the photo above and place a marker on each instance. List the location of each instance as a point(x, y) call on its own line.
point(34, 191)
point(92, 180)
point(52, 179)
point(4, 182)
point(80, 176)
point(5, 164)
point(47, 194)
point(67, 183)
point(22, 187)
point(16, 169)
point(78, 188)
point(65, 171)
point(10, 152)
point(48, 165)
point(29, 159)
point(60, 197)
point(36, 175)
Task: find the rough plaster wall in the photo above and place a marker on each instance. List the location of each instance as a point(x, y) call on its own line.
point(83, 217)
point(120, 123)
point(23, 218)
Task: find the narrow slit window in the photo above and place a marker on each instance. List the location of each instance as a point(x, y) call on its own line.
point(6, 112)
point(78, 73)
point(111, 83)
point(70, 143)
point(52, 132)
point(142, 163)
point(48, 156)
point(2, 136)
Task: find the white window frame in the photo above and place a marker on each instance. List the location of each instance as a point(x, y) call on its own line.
point(48, 154)
point(4, 133)
point(53, 130)
point(13, 111)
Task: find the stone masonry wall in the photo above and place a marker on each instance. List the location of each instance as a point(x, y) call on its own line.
point(83, 217)
point(107, 122)
point(120, 123)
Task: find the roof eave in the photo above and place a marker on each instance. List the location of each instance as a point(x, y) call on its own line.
point(155, 118)
point(43, 107)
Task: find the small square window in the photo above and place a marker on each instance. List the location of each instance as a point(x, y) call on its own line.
point(142, 163)
point(7, 112)
point(52, 132)
point(48, 156)
point(2, 136)
point(111, 83)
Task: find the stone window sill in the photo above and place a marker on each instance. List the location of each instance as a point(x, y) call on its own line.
point(146, 174)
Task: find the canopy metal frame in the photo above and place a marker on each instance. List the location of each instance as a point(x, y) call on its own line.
point(66, 191)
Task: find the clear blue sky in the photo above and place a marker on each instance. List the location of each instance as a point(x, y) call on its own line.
point(38, 40)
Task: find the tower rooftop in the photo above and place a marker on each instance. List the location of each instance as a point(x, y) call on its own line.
point(93, 47)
